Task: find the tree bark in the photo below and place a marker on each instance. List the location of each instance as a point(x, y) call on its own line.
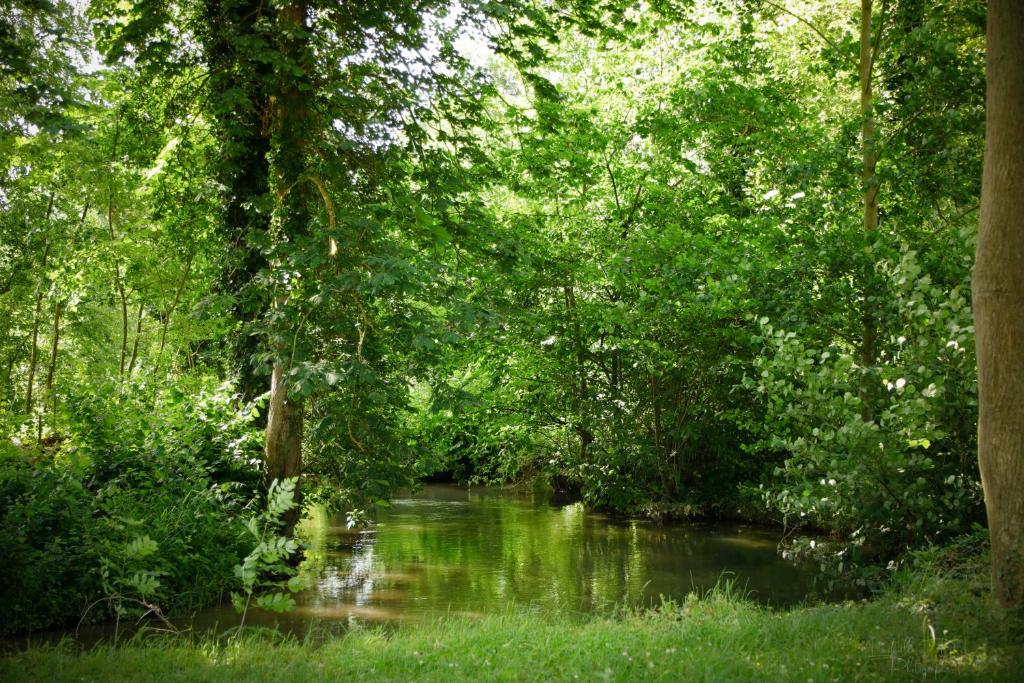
point(138, 335)
point(58, 312)
point(870, 43)
point(998, 292)
point(284, 436)
point(283, 454)
point(33, 357)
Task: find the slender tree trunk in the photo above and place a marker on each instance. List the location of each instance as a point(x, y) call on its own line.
point(869, 182)
point(998, 290)
point(166, 322)
point(34, 351)
point(119, 285)
point(138, 335)
point(118, 279)
point(33, 357)
point(58, 312)
point(580, 387)
point(9, 392)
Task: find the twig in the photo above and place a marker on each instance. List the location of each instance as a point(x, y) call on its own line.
point(805, 22)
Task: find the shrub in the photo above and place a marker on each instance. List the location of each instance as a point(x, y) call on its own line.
point(891, 467)
point(144, 503)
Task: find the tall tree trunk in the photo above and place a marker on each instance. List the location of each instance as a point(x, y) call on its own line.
point(33, 357)
point(123, 298)
point(998, 290)
point(870, 43)
point(580, 387)
point(244, 168)
point(58, 312)
point(138, 335)
point(118, 279)
point(165, 323)
point(283, 454)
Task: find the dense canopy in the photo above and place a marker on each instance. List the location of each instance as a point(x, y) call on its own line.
point(689, 259)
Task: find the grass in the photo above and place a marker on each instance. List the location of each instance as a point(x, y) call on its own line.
point(938, 622)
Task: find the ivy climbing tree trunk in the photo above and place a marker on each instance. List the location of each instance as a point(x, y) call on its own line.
point(998, 289)
point(232, 42)
point(283, 456)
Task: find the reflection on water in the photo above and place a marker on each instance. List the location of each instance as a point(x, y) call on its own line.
point(452, 550)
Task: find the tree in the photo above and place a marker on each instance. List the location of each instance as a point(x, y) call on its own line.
point(998, 288)
point(283, 458)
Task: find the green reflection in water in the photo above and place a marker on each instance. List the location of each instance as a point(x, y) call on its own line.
point(469, 551)
point(451, 550)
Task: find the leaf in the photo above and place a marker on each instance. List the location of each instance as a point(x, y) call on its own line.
point(276, 602)
point(142, 546)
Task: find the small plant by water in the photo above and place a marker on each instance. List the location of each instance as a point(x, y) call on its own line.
point(268, 573)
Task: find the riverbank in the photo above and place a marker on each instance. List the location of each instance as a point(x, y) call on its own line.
point(938, 620)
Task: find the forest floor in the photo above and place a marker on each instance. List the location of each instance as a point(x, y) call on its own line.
point(936, 622)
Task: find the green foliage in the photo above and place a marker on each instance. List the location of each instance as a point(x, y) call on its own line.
point(127, 582)
point(269, 567)
point(140, 508)
point(195, 428)
point(885, 466)
point(51, 547)
point(613, 247)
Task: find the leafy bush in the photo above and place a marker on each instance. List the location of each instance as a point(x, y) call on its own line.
point(881, 465)
point(140, 433)
point(142, 506)
point(49, 539)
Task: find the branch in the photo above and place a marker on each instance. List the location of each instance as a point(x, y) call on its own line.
point(805, 22)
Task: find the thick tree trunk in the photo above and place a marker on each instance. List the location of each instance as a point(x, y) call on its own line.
point(283, 454)
point(998, 288)
point(284, 436)
point(244, 169)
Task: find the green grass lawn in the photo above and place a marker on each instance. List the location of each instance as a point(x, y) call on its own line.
point(939, 622)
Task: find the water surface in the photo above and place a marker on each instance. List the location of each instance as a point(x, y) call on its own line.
point(473, 551)
point(453, 550)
